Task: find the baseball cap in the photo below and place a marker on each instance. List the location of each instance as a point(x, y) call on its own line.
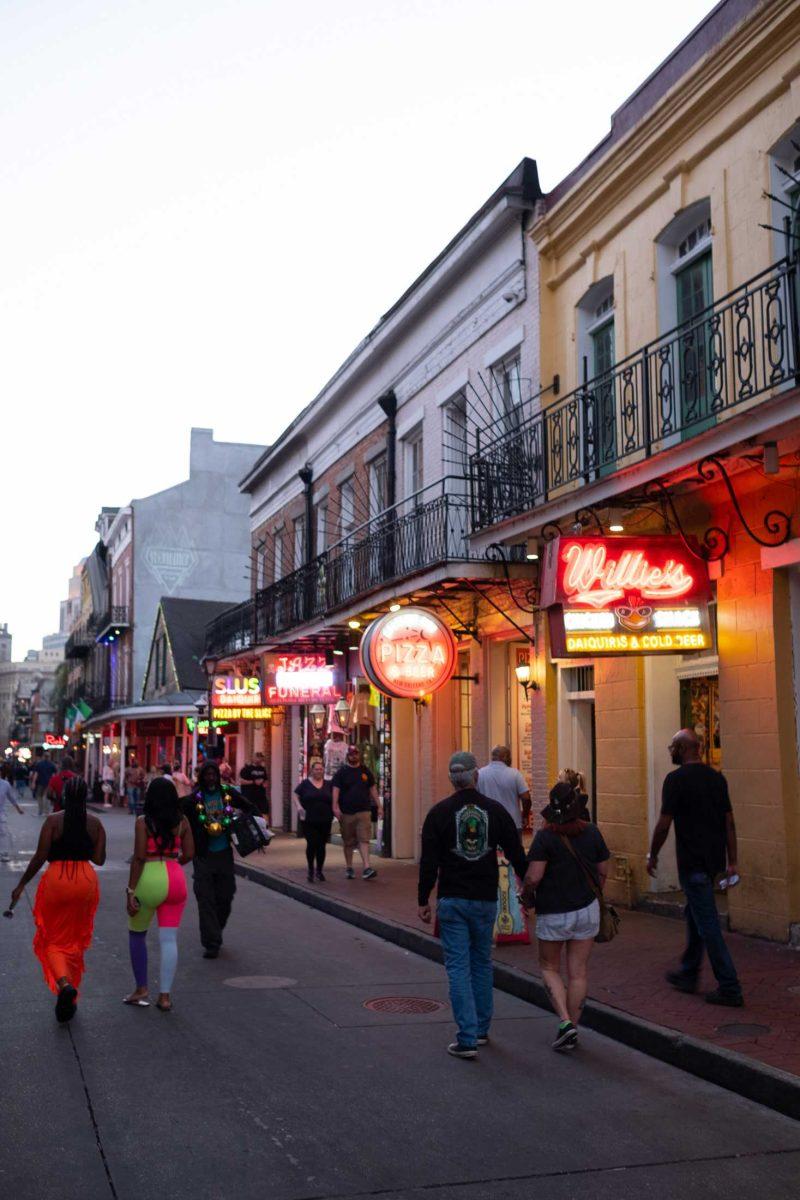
point(462, 760)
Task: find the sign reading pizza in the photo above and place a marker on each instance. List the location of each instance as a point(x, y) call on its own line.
point(301, 678)
point(408, 654)
point(625, 595)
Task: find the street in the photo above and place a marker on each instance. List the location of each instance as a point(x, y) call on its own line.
point(271, 1077)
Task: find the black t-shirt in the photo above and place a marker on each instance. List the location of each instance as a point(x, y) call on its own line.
point(460, 839)
point(254, 779)
point(317, 802)
point(696, 797)
point(354, 785)
point(564, 886)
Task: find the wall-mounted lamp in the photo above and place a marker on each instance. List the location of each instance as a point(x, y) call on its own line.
point(317, 714)
point(532, 550)
point(523, 674)
point(343, 714)
point(354, 624)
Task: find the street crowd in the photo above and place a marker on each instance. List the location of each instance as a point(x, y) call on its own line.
point(468, 839)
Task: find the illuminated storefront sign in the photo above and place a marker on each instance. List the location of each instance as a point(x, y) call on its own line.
point(52, 739)
point(408, 654)
point(294, 678)
point(625, 595)
point(236, 691)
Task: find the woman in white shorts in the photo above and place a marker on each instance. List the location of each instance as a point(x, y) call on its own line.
point(567, 910)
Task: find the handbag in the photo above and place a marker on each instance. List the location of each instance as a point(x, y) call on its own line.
point(609, 917)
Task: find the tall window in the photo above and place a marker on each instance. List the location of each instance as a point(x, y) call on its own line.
point(299, 541)
point(347, 507)
point(278, 542)
point(464, 702)
point(414, 468)
point(321, 527)
point(378, 480)
point(507, 386)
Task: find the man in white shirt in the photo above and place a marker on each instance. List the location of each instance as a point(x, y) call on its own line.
point(501, 782)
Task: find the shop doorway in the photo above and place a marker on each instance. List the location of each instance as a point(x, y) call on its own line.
point(576, 726)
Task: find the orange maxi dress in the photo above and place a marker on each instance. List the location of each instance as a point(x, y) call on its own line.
point(66, 901)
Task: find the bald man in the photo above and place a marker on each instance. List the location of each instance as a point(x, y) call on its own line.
point(695, 796)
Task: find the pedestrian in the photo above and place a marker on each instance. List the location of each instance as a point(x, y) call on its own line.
point(211, 809)
point(183, 783)
point(501, 782)
point(67, 895)
point(577, 781)
point(225, 770)
point(460, 838)
point(6, 797)
point(59, 779)
point(134, 780)
point(21, 774)
point(568, 865)
point(314, 803)
point(43, 771)
point(107, 776)
point(253, 777)
point(696, 797)
point(162, 843)
point(354, 798)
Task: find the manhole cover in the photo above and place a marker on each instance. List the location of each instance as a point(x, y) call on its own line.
point(403, 1004)
point(744, 1030)
point(260, 981)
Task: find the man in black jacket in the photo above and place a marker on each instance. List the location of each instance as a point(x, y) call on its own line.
point(209, 809)
point(460, 839)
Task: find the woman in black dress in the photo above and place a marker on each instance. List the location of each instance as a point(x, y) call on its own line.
point(314, 803)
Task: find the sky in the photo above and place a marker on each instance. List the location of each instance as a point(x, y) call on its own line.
point(206, 204)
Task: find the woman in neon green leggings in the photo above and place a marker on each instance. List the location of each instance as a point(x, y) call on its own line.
point(163, 843)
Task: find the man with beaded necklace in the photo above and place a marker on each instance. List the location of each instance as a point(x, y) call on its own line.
point(210, 808)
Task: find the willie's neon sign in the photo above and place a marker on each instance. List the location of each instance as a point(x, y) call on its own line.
point(624, 595)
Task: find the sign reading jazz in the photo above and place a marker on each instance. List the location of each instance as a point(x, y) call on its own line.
point(625, 595)
point(236, 697)
point(408, 654)
point(301, 678)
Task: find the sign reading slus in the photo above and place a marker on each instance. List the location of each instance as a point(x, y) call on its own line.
point(625, 595)
point(408, 654)
point(236, 691)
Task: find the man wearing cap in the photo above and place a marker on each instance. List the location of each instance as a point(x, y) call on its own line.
point(460, 839)
point(355, 795)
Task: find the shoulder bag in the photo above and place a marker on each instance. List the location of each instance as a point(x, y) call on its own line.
point(609, 917)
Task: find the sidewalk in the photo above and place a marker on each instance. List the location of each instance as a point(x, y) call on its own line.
point(627, 975)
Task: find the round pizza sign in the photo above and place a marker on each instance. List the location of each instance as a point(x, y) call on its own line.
point(408, 653)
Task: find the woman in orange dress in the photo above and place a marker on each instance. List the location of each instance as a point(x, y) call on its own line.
point(67, 896)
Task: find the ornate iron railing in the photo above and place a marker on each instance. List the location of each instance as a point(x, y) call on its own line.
point(425, 529)
point(674, 388)
point(80, 641)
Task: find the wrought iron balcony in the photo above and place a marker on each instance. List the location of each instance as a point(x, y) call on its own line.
point(420, 532)
point(739, 348)
point(111, 624)
point(80, 641)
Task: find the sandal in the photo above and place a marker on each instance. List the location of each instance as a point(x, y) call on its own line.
point(137, 1001)
point(164, 1007)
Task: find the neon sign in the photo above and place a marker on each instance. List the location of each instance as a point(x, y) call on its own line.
point(408, 654)
point(300, 678)
point(624, 595)
point(238, 691)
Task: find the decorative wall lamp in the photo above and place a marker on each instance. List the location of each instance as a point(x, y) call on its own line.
point(317, 714)
point(523, 674)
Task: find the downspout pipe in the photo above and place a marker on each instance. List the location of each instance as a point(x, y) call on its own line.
point(306, 477)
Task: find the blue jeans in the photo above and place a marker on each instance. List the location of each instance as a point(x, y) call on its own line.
point(704, 931)
point(466, 928)
point(133, 800)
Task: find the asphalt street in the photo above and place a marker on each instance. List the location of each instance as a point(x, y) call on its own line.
point(271, 1078)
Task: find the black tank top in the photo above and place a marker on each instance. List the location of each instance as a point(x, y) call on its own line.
point(78, 849)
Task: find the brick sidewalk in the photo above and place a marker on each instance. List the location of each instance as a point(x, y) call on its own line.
point(628, 974)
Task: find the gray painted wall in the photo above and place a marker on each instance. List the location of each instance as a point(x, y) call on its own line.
point(192, 540)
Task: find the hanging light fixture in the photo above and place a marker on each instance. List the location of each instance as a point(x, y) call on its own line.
point(317, 714)
point(343, 714)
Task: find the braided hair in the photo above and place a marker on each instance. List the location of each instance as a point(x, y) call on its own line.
point(74, 832)
point(162, 812)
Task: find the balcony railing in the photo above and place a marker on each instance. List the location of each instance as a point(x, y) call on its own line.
point(425, 529)
point(739, 348)
point(111, 623)
point(80, 641)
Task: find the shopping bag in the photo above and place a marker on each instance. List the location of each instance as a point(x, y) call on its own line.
point(510, 924)
point(246, 834)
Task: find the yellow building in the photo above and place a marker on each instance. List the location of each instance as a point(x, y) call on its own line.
point(668, 309)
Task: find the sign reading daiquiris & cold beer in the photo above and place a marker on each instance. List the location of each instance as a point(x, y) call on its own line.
point(625, 595)
point(408, 654)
